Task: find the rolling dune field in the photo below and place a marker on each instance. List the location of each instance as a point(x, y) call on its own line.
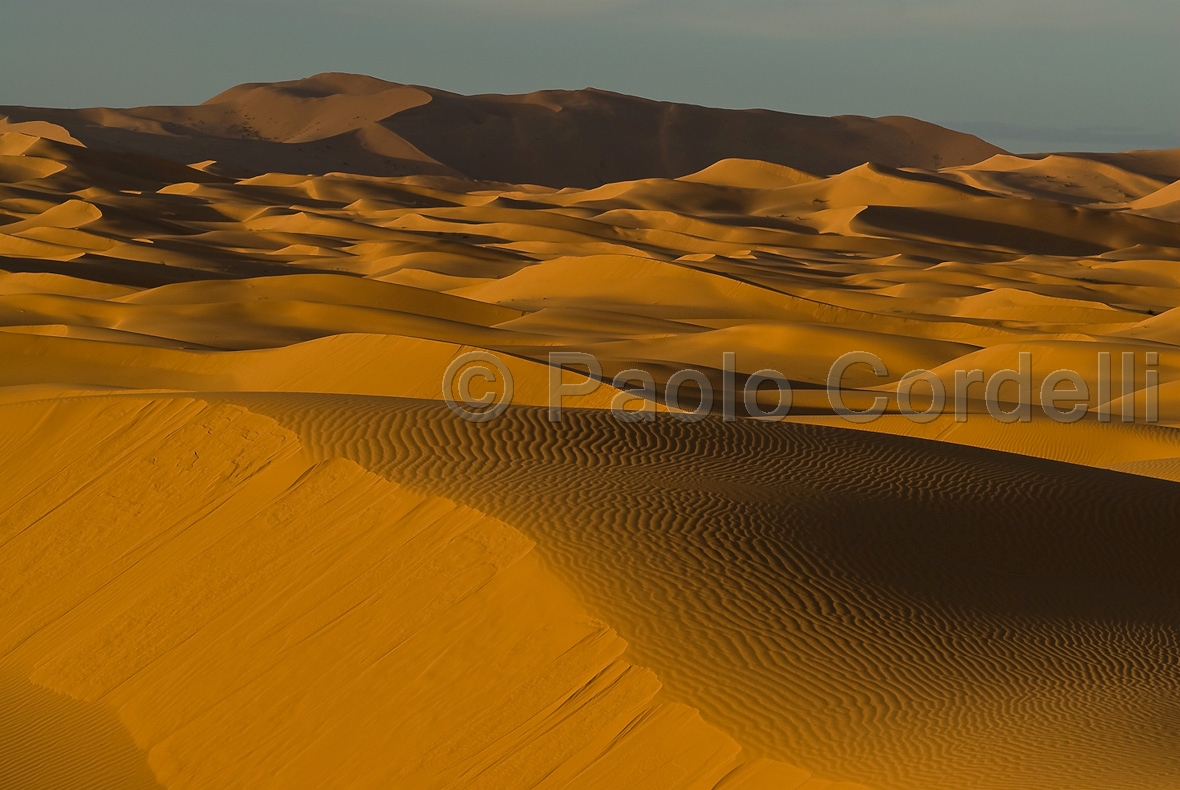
point(245, 543)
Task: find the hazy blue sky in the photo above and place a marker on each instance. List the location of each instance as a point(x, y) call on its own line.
point(1026, 74)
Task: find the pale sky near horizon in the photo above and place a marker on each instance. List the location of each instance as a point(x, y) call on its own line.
point(1029, 75)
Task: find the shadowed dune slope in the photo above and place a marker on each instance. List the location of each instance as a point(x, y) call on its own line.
point(49, 741)
point(255, 618)
point(585, 138)
point(902, 613)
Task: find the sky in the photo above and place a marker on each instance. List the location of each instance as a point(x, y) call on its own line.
point(1029, 75)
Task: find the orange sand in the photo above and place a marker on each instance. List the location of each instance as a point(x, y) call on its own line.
point(244, 544)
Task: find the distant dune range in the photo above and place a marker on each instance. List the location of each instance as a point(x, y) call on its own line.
point(244, 544)
point(555, 138)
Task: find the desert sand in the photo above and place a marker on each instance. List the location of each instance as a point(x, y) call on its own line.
point(244, 543)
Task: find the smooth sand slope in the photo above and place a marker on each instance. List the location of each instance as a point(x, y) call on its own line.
point(244, 544)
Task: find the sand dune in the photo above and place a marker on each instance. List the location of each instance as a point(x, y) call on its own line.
point(243, 543)
point(741, 557)
point(583, 138)
point(786, 269)
point(255, 617)
point(933, 643)
point(1062, 178)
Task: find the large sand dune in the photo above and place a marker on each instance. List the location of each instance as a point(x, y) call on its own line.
point(243, 543)
point(308, 624)
point(874, 607)
point(558, 138)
